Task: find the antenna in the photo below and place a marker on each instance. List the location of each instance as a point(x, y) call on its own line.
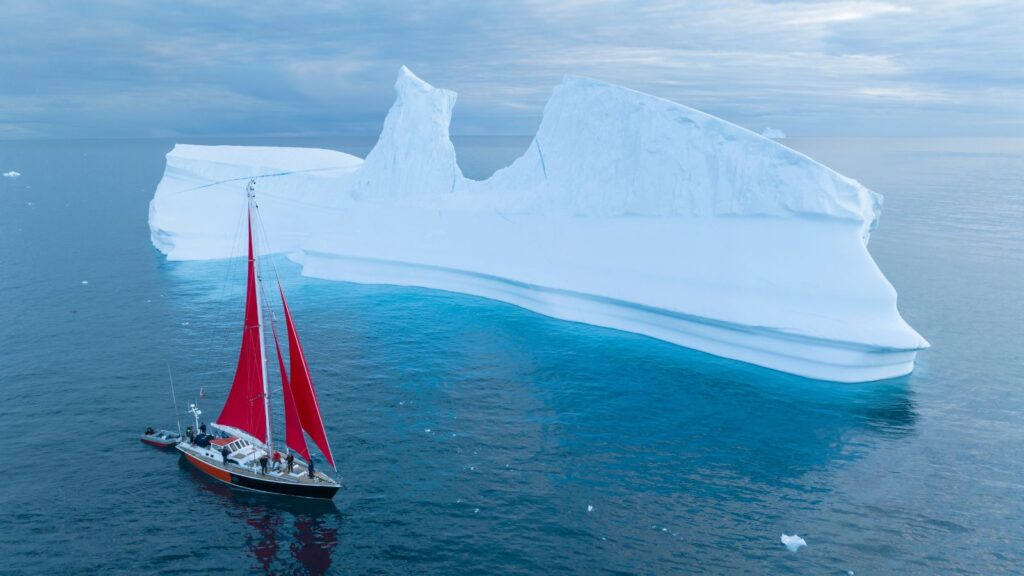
point(196, 413)
point(173, 398)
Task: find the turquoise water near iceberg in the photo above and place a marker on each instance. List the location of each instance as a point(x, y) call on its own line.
point(476, 437)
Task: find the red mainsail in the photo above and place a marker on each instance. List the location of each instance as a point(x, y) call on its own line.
point(244, 408)
point(293, 437)
point(302, 388)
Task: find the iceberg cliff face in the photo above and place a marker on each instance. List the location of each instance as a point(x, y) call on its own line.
point(603, 150)
point(627, 211)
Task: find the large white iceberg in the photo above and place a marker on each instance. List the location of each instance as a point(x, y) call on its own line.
point(626, 211)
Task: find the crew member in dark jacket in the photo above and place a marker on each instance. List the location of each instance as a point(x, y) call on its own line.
point(263, 464)
point(311, 470)
point(224, 454)
point(291, 462)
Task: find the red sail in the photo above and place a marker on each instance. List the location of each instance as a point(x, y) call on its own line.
point(293, 437)
point(302, 388)
point(244, 408)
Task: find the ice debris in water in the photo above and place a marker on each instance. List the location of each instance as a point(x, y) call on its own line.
point(793, 542)
point(590, 508)
point(85, 281)
point(12, 174)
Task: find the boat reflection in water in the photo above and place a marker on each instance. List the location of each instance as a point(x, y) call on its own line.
point(285, 535)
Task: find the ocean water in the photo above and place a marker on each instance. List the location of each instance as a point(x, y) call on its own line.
point(475, 437)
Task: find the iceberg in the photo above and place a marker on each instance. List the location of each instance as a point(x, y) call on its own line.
point(626, 211)
point(12, 174)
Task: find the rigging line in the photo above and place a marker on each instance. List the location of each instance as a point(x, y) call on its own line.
point(270, 175)
point(263, 235)
point(174, 399)
point(230, 274)
point(264, 241)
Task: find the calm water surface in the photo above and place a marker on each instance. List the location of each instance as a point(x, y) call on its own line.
point(475, 437)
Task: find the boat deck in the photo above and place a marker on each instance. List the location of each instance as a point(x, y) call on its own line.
point(245, 463)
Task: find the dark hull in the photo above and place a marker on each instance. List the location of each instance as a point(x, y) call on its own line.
point(267, 485)
point(323, 492)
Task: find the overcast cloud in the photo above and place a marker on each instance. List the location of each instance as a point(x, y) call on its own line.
point(221, 68)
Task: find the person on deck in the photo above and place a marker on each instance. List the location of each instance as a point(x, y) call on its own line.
point(290, 460)
point(263, 464)
point(277, 460)
point(224, 454)
point(190, 434)
point(202, 428)
point(150, 431)
point(311, 470)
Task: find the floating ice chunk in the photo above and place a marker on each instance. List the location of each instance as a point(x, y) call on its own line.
point(427, 430)
point(773, 133)
point(85, 281)
point(590, 508)
point(793, 542)
point(12, 174)
point(476, 510)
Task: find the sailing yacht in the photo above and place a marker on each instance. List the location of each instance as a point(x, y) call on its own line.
point(245, 454)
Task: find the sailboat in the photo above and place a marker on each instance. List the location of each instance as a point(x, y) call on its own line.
point(244, 455)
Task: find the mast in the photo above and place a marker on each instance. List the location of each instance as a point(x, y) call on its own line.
point(250, 191)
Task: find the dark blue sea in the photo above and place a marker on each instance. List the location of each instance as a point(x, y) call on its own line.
point(474, 437)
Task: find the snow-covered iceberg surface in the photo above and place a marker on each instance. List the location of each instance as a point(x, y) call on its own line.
point(626, 211)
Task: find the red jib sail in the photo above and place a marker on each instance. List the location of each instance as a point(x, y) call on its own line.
point(293, 437)
point(244, 408)
point(302, 388)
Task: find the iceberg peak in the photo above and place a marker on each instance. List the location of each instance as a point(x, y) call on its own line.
point(414, 156)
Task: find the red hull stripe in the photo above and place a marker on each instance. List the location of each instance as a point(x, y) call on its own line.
point(211, 470)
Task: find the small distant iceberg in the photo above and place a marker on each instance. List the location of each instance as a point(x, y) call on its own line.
point(773, 133)
point(626, 211)
point(794, 542)
point(12, 174)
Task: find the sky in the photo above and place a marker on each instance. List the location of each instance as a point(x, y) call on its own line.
point(191, 69)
